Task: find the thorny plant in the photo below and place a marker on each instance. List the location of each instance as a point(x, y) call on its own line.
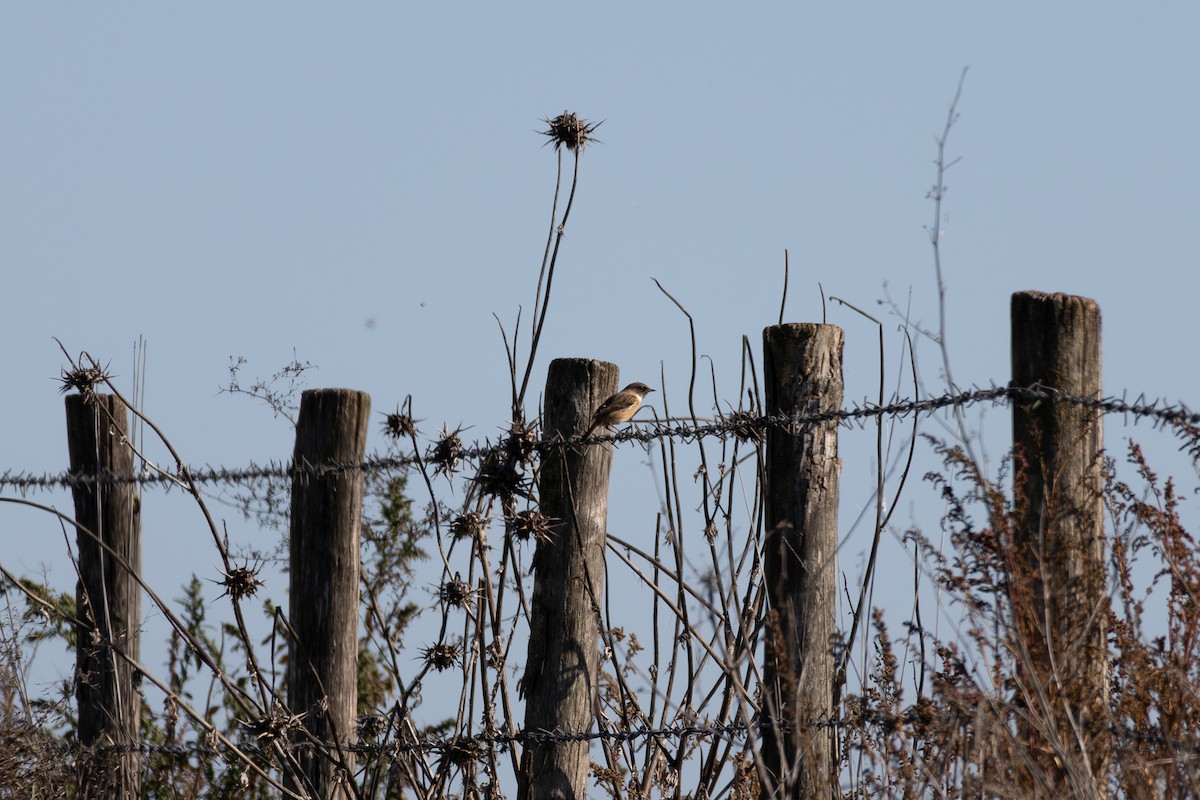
point(445, 611)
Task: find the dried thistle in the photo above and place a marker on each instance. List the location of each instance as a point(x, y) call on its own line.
point(82, 379)
point(398, 425)
point(469, 526)
point(447, 452)
point(241, 582)
point(500, 476)
point(531, 524)
point(456, 592)
point(568, 130)
point(442, 656)
point(521, 442)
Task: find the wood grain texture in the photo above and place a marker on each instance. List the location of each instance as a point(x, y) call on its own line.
point(1060, 603)
point(324, 586)
point(107, 596)
point(561, 671)
point(803, 369)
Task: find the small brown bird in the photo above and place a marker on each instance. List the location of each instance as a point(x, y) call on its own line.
point(619, 407)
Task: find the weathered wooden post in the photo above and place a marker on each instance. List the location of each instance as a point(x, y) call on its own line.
point(1060, 603)
point(803, 367)
point(561, 672)
point(108, 599)
point(323, 598)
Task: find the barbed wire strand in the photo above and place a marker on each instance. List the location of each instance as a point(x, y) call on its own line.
point(465, 744)
point(743, 425)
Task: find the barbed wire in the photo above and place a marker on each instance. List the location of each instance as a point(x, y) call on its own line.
point(744, 425)
point(476, 742)
point(434, 744)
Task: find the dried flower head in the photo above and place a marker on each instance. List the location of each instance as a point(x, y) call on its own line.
point(241, 582)
point(441, 656)
point(82, 379)
point(469, 526)
point(447, 452)
point(568, 130)
point(456, 592)
point(531, 524)
point(500, 476)
point(521, 443)
point(398, 425)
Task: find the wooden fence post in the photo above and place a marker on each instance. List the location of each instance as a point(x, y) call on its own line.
point(108, 599)
point(803, 368)
point(1060, 603)
point(561, 672)
point(323, 598)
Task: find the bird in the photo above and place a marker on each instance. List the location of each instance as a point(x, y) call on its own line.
point(619, 407)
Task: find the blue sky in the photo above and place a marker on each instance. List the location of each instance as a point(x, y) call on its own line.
point(363, 186)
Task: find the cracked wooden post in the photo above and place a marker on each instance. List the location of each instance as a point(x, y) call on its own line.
point(561, 671)
point(1060, 603)
point(323, 596)
point(803, 368)
point(108, 599)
